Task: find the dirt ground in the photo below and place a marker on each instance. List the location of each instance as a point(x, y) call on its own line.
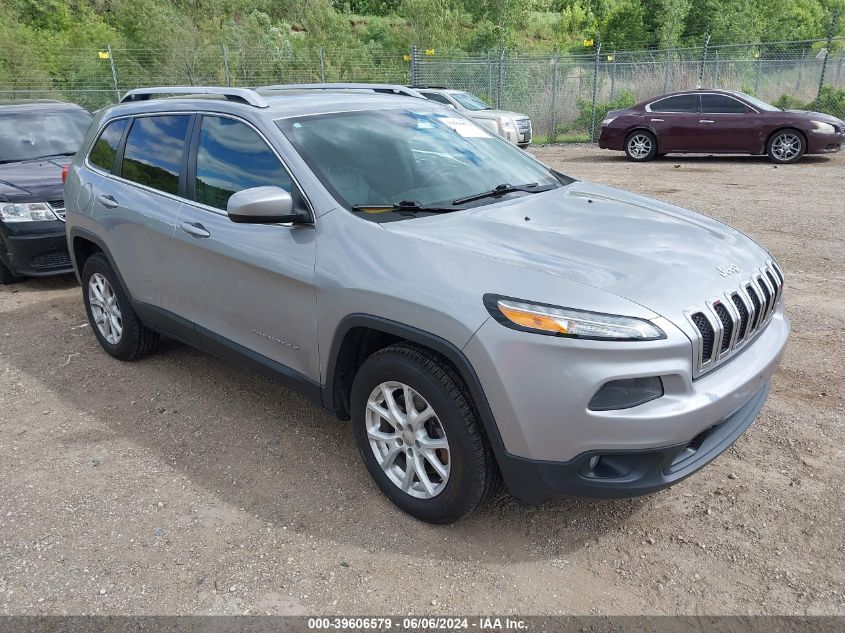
point(181, 484)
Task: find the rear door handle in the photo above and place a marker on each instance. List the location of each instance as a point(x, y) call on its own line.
point(194, 229)
point(706, 121)
point(107, 201)
point(660, 120)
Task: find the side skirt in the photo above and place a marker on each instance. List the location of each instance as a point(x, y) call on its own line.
point(188, 332)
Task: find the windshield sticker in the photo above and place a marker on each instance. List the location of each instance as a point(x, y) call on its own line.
point(464, 128)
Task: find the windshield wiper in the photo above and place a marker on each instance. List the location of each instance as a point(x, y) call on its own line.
point(504, 188)
point(404, 205)
point(46, 156)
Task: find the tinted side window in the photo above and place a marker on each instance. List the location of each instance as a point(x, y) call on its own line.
point(105, 149)
point(153, 151)
point(231, 156)
point(433, 96)
point(719, 104)
point(681, 103)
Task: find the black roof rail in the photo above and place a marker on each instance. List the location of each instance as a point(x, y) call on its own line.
point(241, 95)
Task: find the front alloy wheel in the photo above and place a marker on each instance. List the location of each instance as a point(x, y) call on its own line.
point(407, 440)
point(418, 432)
point(786, 146)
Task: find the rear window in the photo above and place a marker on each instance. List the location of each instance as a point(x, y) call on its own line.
point(154, 148)
point(105, 149)
point(679, 103)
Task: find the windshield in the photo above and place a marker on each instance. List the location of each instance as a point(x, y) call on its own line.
point(468, 101)
point(41, 133)
point(757, 103)
point(383, 157)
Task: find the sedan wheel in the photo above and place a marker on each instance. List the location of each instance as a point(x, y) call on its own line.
point(641, 146)
point(786, 146)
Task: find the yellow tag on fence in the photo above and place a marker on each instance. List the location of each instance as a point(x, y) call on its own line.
point(406, 57)
point(103, 54)
point(588, 42)
point(429, 52)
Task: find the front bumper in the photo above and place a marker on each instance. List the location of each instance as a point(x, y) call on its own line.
point(824, 143)
point(35, 249)
point(619, 473)
point(539, 388)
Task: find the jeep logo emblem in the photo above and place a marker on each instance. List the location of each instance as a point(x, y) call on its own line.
point(728, 269)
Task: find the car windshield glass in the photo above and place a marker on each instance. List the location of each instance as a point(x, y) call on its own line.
point(757, 103)
point(470, 102)
point(40, 133)
point(381, 158)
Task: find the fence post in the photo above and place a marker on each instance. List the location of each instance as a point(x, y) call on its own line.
point(613, 76)
point(800, 72)
point(758, 65)
point(113, 73)
point(489, 77)
point(595, 92)
point(830, 32)
point(226, 73)
point(703, 61)
point(322, 67)
point(414, 66)
point(501, 80)
point(553, 133)
point(668, 67)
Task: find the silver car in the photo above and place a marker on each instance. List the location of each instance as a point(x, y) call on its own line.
point(475, 314)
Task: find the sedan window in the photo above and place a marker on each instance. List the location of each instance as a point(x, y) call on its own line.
point(720, 104)
point(679, 103)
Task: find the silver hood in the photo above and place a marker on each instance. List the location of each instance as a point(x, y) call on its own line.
point(660, 256)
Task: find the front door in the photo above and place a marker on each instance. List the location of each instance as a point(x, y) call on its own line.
point(247, 284)
point(727, 125)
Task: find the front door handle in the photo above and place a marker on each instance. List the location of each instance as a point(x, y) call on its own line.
point(658, 120)
point(194, 229)
point(706, 121)
point(107, 201)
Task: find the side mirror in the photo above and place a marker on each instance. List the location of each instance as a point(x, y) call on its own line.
point(263, 205)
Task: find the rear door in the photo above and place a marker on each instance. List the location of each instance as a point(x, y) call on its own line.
point(138, 202)
point(675, 122)
point(728, 125)
point(248, 284)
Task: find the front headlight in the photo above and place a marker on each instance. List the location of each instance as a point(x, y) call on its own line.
point(26, 212)
point(820, 127)
point(608, 120)
point(558, 321)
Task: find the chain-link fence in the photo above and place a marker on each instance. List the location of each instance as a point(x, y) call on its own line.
point(565, 95)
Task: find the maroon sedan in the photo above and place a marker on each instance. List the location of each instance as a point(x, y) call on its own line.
point(719, 121)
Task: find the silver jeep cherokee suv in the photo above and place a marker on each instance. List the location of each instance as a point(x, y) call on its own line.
point(474, 313)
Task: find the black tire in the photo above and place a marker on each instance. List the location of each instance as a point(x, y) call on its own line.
point(780, 141)
point(638, 139)
point(473, 475)
point(6, 275)
point(136, 340)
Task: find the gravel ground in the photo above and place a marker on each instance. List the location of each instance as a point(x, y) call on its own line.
point(181, 484)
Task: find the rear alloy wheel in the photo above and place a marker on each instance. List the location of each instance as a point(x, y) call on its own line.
point(786, 146)
point(110, 313)
point(641, 145)
point(419, 435)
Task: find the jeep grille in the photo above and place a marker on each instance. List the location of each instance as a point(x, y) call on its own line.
point(726, 324)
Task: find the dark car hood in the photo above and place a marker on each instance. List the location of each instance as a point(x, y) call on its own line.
point(816, 116)
point(32, 181)
point(660, 256)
